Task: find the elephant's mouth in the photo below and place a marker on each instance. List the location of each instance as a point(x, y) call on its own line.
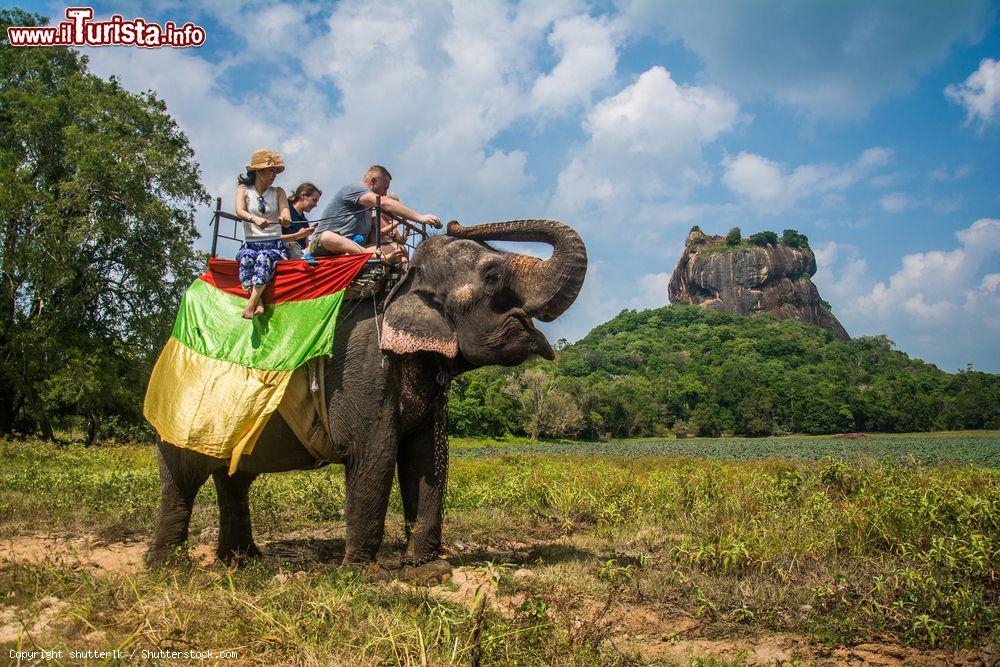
point(540, 345)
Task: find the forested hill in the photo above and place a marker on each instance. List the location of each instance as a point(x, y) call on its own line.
point(686, 369)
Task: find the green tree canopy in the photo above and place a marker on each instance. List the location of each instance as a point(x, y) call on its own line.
point(764, 238)
point(97, 190)
point(691, 370)
point(794, 239)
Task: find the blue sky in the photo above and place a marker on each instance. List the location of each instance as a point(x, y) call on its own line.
point(874, 128)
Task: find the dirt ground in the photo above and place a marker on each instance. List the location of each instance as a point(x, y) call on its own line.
point(655, 636)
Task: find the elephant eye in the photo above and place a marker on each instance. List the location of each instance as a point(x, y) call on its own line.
point(491, 279)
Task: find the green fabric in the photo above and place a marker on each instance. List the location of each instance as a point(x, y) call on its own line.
point(284, 337)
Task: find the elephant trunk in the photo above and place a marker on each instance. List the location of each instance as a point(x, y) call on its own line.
point(546, 287)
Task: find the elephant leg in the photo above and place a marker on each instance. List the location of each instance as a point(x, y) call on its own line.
point(181, 475)
point(368, 478)
point(409, 490)
point(235, 530)
point(423, 470)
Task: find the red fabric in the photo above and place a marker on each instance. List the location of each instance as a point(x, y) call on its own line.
point(294, 280)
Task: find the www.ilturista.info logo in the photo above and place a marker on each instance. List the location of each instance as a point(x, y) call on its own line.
point(80, 30)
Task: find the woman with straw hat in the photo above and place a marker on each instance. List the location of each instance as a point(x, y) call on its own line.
point(264, 211)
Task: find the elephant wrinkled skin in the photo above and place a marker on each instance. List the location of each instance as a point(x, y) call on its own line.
point(462, 304)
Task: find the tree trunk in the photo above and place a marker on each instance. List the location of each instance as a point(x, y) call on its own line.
point(93, 428)
point(7, 413)
point(38, 412)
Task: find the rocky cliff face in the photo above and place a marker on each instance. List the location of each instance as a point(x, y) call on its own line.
point(750, 279)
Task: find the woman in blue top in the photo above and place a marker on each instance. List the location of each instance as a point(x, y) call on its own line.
point(304, 199)
point(263, 209)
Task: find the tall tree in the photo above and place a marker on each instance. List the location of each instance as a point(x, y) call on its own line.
point(97, 190)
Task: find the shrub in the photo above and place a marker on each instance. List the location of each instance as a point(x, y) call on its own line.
point(764, 238)
point(734, 237)
point(793, 239)
point(705, 419)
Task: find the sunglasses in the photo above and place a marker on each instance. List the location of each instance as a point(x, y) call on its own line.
point(261, 205)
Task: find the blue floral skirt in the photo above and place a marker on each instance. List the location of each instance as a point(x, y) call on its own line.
point(257, 260)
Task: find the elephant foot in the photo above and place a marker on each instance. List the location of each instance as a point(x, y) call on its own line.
point(237, 556)
point(370, 571)
point(433, 572)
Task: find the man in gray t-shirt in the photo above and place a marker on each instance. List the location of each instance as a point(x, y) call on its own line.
point(346, 216)
point(351, 215)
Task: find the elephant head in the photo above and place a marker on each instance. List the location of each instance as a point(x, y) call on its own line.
point(474, 304)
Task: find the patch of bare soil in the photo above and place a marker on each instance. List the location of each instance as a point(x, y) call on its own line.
point(37, 620)
point(102, 555)
point(84, 551)
point(672, 641)
point(472, 586)
point(783, 648)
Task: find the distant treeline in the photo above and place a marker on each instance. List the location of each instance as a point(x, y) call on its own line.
point(691, 371)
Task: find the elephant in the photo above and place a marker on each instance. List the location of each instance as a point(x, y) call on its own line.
point(462, 304)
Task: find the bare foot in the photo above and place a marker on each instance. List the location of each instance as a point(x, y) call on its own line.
point(248, 313)
point(259, 310)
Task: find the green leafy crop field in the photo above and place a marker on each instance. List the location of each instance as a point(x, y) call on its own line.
point(978, 448)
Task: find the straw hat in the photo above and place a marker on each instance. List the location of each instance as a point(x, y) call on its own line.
point(264, 159)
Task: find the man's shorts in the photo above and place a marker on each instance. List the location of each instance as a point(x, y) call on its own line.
point(316, 248)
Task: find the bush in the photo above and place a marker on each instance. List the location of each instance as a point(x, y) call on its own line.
point(706, 420)
point(696, 228)
point(734, 236)
point(764, 238)
point(793, 239)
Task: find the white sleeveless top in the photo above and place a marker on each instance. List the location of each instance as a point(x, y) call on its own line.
point(252, 232)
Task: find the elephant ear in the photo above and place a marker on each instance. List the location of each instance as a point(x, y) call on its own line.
point(415, 322)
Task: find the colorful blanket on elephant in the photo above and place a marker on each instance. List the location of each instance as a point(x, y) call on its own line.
point(220, 377)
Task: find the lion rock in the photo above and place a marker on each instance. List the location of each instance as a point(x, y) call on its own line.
point(767, 276)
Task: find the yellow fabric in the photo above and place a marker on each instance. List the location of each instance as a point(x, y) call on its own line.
point(214, 407)
point(301, 410)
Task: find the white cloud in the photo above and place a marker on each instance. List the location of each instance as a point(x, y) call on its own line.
point(896, 202)
point(945, 175)
point(431, 91)
point(599, 301)
point(833, 60)
point(841, 272)
point(979, 94)
point(990, 283)
point(645, 143)
point(223, 132)
point(940, 304)
point(587, 49)
point(772, 189)
point(652, 291)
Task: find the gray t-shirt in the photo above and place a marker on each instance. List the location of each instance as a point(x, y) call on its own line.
point(348, 217)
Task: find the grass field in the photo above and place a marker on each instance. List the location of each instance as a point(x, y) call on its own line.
point(828, 551)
